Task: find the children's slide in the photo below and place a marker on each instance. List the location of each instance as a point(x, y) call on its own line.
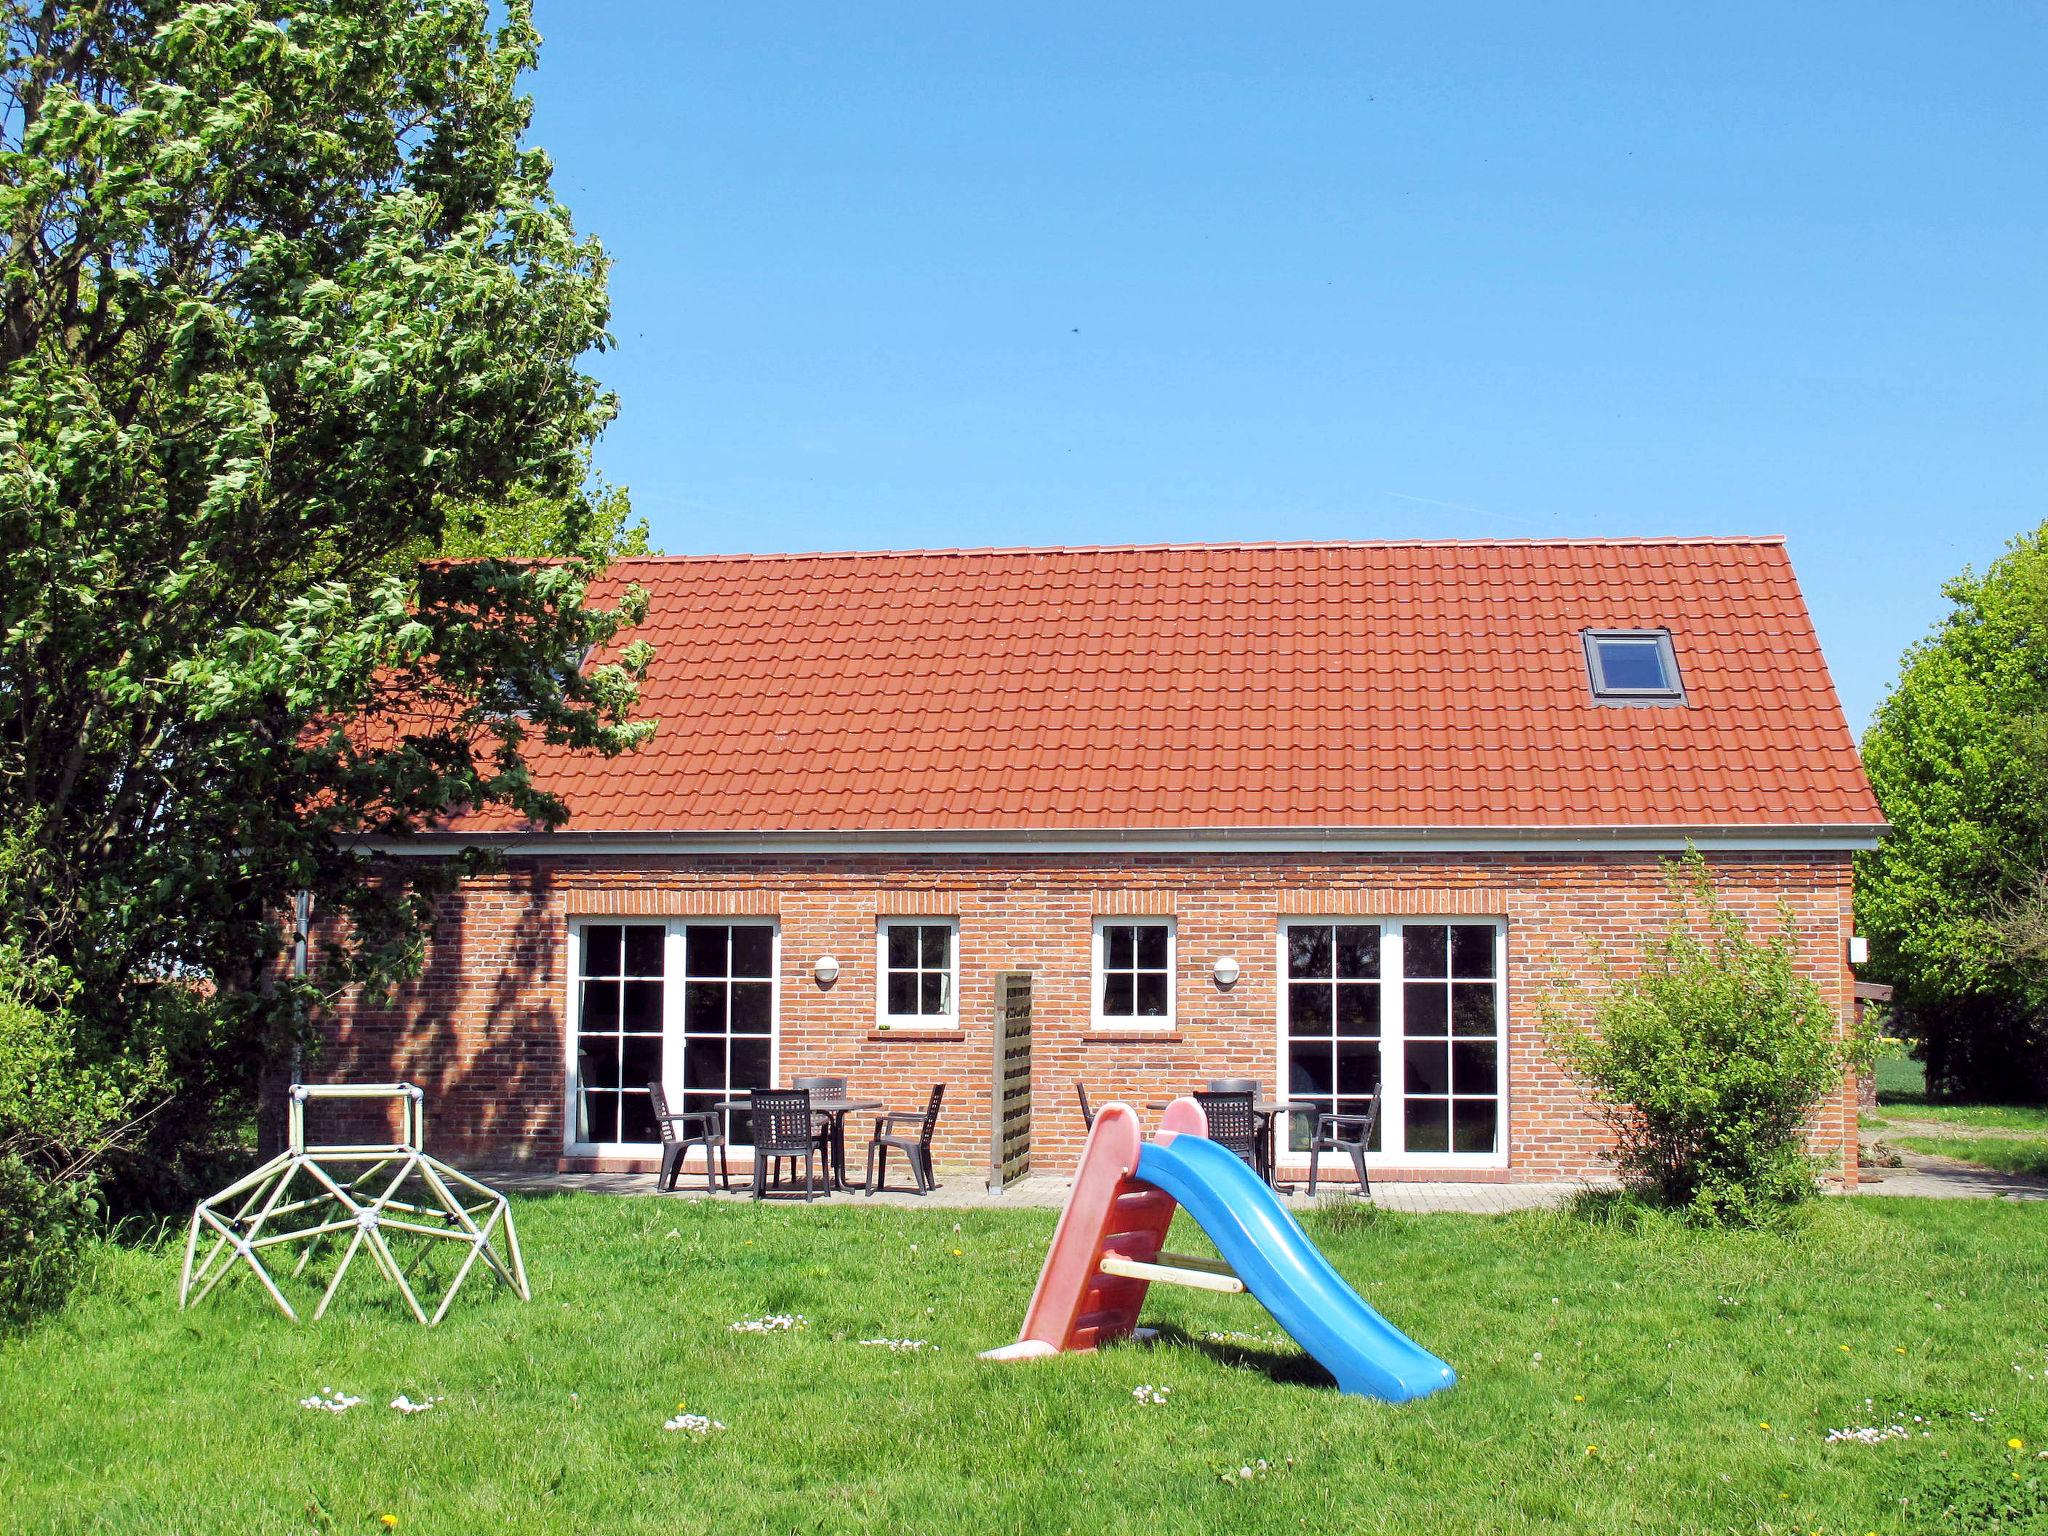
point(1265, 1247)
point(1106, 1252)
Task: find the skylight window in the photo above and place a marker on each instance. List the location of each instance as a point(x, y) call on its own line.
point(1633, 666)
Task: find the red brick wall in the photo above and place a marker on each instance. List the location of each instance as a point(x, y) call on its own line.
point(481, 1030)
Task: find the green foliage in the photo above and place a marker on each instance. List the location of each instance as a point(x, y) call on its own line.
point(1708, 1059)
point(287, 307)
point(597, 523)
point(43, 1230)
point(59, 1115)
point(1956, 898)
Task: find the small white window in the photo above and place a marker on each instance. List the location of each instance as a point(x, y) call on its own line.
point(917, 968)
point(1134, 973)
point(1632, 666)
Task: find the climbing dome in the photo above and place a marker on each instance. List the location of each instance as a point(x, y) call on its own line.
point(411, 1213)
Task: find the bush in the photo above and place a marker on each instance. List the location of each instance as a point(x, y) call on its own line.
point(44, 1225)
point(1708, 1061)
point(58, 1117)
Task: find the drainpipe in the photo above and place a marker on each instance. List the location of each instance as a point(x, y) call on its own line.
point(302, 922)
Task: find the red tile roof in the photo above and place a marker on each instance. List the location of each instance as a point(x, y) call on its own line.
point(1175, 687)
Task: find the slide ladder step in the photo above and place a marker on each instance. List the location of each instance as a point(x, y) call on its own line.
point(1180, 1271)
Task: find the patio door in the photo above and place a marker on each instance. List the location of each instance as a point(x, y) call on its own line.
point(728, 1018)
point(691, 1005)
point(1419, 1004)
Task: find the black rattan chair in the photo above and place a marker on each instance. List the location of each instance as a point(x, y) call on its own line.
point(918, 1150)
point(784, 1129)
point(1234, 1124)
point(1087, 1109)
point(682, 1130)
point(1348, 1134)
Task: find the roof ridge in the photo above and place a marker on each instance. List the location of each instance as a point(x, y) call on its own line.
point(1220, 546)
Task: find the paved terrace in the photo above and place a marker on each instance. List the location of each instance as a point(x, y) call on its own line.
point(1919, 1176)
point(1050, 1193)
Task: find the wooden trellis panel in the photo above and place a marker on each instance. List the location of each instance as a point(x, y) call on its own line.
point(1010, 1132)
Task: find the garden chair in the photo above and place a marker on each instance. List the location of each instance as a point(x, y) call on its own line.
point(1252, 1086)
point(784, 1128)
point(1347, 1134)
point(1234, 1124)
point(684, 1129)
point(891, 1131)
point(1087, 1109)
point(824, 1088)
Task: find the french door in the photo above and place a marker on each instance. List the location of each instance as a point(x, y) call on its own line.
point(691, 1005)
point(1416, 1004)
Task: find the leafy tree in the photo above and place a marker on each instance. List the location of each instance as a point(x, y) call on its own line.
point(1956, 899)
point(596, 523)
point(286, 303)
point(1708, 1060)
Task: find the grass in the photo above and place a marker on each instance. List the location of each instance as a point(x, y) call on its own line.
point(1902, 1096)
point(1615, 1375)
point(1899, 1077)
point(1965, 1117)
point(2008, 1154)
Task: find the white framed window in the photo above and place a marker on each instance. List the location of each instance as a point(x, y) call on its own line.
point(1418, 1004)
point(618, 1019)
point(692, 1005)
point(917, 972)
point(1133, 981)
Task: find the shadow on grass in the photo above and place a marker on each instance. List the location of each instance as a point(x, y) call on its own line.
point(1282, 1362)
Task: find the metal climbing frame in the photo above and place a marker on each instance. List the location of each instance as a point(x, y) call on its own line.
point(311, 1195)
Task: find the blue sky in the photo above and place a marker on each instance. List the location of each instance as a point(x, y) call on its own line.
point(958, 274)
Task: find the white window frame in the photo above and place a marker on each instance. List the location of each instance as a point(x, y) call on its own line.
point(912, 1023)
point(1394, 1038)
point(1098, 953)
point(671, 1017)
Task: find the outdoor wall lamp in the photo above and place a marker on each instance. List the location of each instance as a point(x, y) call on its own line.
point(826, 970)
point(1226, 971)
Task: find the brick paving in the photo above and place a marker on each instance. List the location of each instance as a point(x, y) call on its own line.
point(963, 1192)
point(1920, 1177)
point(1940, 1178)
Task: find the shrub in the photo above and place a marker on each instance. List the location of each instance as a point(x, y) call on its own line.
point(59, 1115)
point(1708, 1060)
point(43, 1229)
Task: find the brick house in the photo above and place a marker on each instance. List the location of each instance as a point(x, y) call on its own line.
point(1319, 814)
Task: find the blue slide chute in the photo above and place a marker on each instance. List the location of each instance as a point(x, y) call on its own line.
point(1278, 1264)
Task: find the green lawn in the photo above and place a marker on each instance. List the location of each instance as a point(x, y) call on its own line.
point(2008, 1154)
point(1988, 1117)
point(1900, 1079)
point(1612, 1380)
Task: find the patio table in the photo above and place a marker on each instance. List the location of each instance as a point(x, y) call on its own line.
point(835, 1109)
point(1267, 1111)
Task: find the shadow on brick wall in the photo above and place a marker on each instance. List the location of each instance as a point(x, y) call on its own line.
point(480, 1029)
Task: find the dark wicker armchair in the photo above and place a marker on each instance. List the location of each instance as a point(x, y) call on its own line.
point(1349, 1134)
point(893, 1131)
point(682, 1130)
point(1234, 1124)
point(784, 1129)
